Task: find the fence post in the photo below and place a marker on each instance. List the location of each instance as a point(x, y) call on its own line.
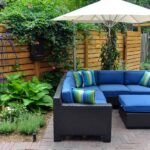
point(37, 68)
point(124, 50)
point(85, 51)
point(139, 28)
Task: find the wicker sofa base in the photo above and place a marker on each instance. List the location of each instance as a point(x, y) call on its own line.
point(81, 120)
point(74, 119)
point(135, 120)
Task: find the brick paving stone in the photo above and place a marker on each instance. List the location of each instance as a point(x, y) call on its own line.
point(122, 139)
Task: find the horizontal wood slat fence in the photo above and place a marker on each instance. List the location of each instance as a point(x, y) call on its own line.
point(88, 51)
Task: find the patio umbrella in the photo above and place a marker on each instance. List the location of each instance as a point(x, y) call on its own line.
point(108, 12)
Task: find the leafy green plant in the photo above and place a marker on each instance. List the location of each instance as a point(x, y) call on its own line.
point(145, 66)
point(32, 94)
point(12, 111)
point(29, 123)
point(109, 53)
point(30, 22)
point(53, 78)
point(7, 127)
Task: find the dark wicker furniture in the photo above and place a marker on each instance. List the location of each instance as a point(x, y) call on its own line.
point(80, 119)
point(132, 113)
point(135, 120)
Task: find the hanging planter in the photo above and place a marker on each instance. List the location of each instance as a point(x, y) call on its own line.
point(37, 51)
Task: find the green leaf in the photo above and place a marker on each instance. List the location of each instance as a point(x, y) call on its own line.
point(5, 97)
point(46, 101)
point(35, 80)
point(42, 94)
point(14, 76)
point(27, 102)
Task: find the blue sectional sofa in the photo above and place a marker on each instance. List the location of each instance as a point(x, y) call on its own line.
point(109, 85)
point(80, 119)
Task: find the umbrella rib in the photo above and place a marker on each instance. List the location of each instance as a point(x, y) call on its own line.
point(135, 19)
point(104, 20)
point(93, 17)
point(119, 20)
point(78, 17)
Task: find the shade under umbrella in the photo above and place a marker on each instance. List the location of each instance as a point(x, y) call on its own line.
point(108, 12)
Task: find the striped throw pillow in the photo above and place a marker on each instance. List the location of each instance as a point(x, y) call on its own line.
point(88, 78)
point(78, 78)
point(145, 79)
point(84, 96)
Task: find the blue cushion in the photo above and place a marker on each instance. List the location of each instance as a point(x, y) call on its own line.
point(99, 96)
point(133, 77)
point(114, 89)
point(91, 88)
point(110, 77)
point(135, 103)
point(67, 90)
point(69, 74)
point(138, 89)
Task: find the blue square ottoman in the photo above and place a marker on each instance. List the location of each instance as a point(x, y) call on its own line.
point(135, 110)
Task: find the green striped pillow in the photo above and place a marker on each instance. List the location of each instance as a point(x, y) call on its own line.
point(145, 79)
point(78, 78)
point(84, 96)
point(88, 78)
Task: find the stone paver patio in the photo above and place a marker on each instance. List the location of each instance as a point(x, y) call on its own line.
point(122, 139)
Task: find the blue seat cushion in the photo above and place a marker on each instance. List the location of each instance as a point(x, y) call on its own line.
point(138, 89)
point(133, 77)
point(68, 85)
point(114, 89)
point(110, 77)
point(99, 96)
point(135, 103)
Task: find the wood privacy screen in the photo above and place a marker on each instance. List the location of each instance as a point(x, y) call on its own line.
point(88, 51)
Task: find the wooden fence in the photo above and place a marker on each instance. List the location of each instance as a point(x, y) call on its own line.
point(88, 51)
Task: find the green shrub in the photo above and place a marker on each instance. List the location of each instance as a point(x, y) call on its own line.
point(40, 120)
point(31, 94)
point(29, 123)
point(7, 127)
point(145, 66)
point(29, 21)
point(53, 78)
point(12, 111)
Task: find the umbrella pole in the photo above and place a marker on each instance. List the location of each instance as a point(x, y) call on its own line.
point(74, 48)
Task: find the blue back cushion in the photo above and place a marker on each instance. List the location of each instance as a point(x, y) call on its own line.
point(133, 77)
point(69, 74)
point(110, 77)
point(66, 94)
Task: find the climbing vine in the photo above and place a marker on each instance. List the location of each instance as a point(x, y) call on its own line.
point(29, 21)
point(109, 53)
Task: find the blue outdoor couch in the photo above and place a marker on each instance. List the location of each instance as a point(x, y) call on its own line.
point(80, 119)
point(109, 85)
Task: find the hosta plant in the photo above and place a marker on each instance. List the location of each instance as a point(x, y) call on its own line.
point(32, 94)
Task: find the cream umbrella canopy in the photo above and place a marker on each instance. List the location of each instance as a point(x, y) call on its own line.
point(108, 12)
